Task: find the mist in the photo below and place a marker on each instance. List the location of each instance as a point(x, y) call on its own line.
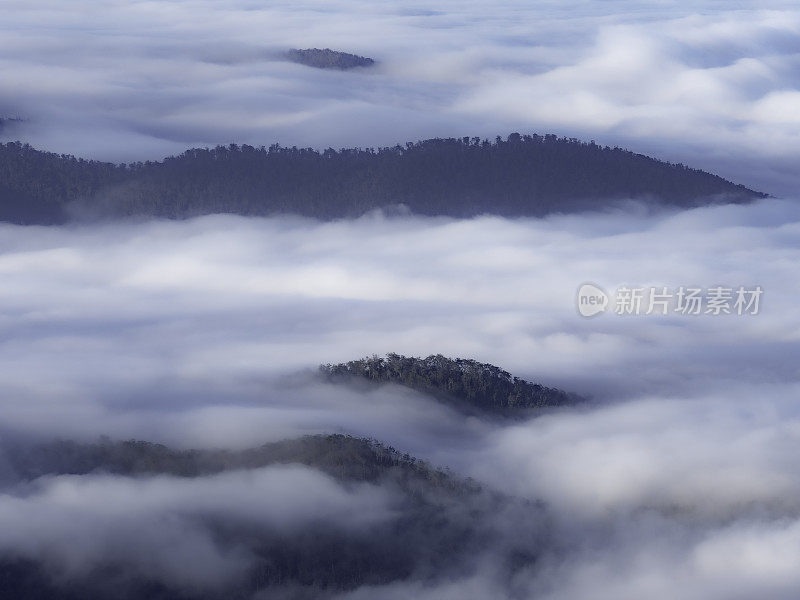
point(164, 428)
point(206, 333)
point(162, 527)
point(219, 310)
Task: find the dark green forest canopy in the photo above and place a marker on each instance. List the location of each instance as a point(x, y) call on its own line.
point(523, 175)
point(463, 382)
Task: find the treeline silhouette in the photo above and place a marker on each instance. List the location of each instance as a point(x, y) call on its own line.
point(523, 175)
point(466, 383)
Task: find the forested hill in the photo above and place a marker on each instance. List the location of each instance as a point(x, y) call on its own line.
point(467, 384)
point(527, 175)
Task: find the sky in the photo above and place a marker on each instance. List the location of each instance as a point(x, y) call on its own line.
point(710, 84)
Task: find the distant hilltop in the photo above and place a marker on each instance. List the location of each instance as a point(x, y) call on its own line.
point(328, 59)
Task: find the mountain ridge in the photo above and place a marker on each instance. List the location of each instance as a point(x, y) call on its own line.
point(523, 175)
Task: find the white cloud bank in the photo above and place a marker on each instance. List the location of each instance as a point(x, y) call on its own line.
point(189, 333)
point(203, 315)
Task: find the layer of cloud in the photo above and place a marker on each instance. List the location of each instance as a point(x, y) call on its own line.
point(203, 332)
point(705, 83)
point(219, 304)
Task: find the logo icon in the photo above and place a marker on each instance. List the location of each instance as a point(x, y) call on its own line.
point(592, 300)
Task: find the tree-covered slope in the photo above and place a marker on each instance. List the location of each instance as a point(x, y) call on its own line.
point(465, 383)
point(520, 176)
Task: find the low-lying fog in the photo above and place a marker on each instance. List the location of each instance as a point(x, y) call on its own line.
point(204, 333)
